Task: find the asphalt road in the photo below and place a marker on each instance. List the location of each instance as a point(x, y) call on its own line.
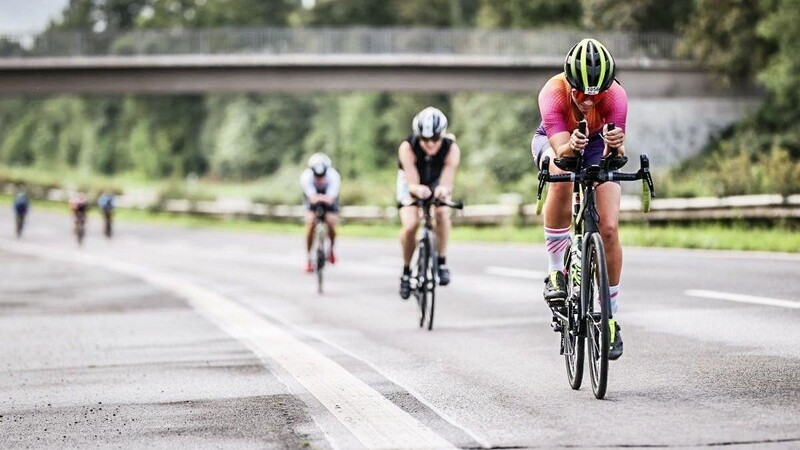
point(166, 337)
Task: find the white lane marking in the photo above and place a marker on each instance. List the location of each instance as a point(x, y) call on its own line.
point(740, 298)
point(514, 273)
point(375, 421)
point(263, 309)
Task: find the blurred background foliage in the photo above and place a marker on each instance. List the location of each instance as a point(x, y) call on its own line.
point(265, 138)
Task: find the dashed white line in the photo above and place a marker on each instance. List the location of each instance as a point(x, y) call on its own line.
point(740, 298)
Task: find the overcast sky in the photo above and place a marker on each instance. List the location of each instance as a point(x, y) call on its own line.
point(28, 15)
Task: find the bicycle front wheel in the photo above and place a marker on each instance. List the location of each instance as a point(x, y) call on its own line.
point(430, 302)
point(422, 281)
point(320, 265)
point(596, 302)
point(20, 224)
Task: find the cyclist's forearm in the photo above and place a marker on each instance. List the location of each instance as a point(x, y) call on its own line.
point(448, 176)
point(564, 150)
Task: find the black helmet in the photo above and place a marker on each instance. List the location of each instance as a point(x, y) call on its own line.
point(590, 67)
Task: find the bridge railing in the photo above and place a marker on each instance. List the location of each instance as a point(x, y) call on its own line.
point(359, 40)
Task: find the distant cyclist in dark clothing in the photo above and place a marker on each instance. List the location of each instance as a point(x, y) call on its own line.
point(106, 204)
point(21, 205)
point(428, 163)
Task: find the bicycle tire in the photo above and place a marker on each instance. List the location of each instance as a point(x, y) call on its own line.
point(573, 341)
point(422, 281)
point(320, 263)
point(319, 266)
point(430, 303)
point(80, 232)
point(108, 230)
point(595, 291)
point(20, 225)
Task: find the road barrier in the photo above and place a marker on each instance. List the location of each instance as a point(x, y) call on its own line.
point(747, 207)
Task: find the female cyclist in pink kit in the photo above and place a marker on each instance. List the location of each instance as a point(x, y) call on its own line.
point(586, 90)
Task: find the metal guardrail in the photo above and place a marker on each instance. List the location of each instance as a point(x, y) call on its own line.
point(329, 41)
point(767, 207)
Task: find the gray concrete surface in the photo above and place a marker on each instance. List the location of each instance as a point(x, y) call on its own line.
point(696, 372)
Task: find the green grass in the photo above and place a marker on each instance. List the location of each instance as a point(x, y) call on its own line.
point(701, 236)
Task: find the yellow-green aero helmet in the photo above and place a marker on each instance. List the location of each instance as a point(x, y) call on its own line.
point(589, 67)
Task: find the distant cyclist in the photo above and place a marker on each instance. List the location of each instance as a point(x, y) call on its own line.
point(21, 206)
point(320, 183)
point(586, 90)
point(429, 160)
point(106, 204)
point(79, 205)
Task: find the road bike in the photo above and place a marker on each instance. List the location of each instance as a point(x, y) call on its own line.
point(425, 262)
point(583, 320)
point(80, 225)
point(108, 217)
point(20, 222)
point(320, 243)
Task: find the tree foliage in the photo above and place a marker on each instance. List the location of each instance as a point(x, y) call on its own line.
point(640, 15)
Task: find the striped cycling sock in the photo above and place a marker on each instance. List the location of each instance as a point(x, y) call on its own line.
point(614, 294)
point(557, 241)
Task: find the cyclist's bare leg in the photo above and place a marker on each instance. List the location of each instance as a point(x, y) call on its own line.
point(443, 225)
point(608, 198)
point(311, 219)
point(332, 219)
point(409, 217)
point(558, 204)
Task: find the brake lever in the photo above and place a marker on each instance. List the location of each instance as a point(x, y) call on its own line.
point(644, 163)
point(544, 173)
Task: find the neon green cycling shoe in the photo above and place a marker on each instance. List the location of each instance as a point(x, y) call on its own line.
point(615, 340)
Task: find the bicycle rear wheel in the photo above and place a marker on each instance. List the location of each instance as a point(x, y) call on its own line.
point(573, 341)
point(595, 297)
point(573, 347)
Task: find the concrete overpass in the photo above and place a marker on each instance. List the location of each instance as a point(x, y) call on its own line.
point(359, 59)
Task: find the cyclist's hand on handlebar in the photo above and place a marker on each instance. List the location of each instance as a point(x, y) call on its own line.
point(577, 141)
point(320, 198)
point(422, 192)
point(441, 192)
point(615, 139)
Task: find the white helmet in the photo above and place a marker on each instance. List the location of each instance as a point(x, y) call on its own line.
point(430, 123)
point(319, 163)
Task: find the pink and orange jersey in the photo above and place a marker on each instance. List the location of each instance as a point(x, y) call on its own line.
point(555, 105)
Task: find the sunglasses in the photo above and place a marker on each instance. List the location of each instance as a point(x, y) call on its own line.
point(434, 138)
point(580, 97)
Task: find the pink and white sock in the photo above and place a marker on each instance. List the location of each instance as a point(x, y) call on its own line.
point(557, 241)
point(614, 294)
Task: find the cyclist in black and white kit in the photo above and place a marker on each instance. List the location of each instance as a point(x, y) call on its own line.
point(320, 183)
point(429, 160)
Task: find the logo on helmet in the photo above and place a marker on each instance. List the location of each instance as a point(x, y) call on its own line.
point(592, 90)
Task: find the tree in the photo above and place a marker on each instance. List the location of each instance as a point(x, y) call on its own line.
point(781, 74)
point(722, 35)
point(639, 15)
point(528, 14)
